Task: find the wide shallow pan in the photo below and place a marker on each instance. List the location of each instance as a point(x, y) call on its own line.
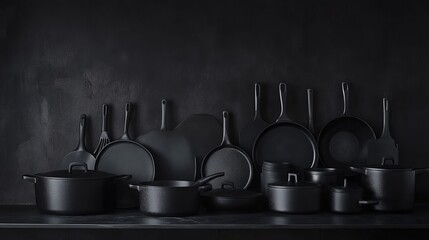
point(171, 198)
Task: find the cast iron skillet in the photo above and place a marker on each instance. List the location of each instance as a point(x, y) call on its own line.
point(285, 141)
point(343, 142)
point(230, 159)
point(124, 156)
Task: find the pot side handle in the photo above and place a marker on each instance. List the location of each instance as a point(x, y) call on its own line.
point(30, 178)
point(134, 186)
point(357, 169)
point(421, 170)
point(368, 202)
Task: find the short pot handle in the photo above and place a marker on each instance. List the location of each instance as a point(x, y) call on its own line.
point(368, 202)
point(134, 186)
point(78, 164)
point(421, 170)
point(30, 178)
point(358, 170)
point(384, 161)
point(123, 177)
point(291, 176)
point(227, 185)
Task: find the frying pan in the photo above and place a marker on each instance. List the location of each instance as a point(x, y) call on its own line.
point(174, 157)
point(285, 141)
point(230, 159)
point(251, 131)
point(203, 131)
point(343, 142)
point(80, 154)
point(385, 145)
point(124, 156)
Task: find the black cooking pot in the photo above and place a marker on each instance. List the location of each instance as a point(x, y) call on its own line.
point(170, 197)
point(228, 198)
point(294, 196)
point(347, 199)
point(393, 186)
point(274, 172)
point(75, 192)
point(324, 176)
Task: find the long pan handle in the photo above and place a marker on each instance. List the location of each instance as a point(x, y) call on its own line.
point(225, 139)
point(82, 123)
point(163, 110)
point(104, 117)
point(310, 100)
point(125, 135)
point(283, 94)
point(386, 119)
point(257, 101)
point(345, 88)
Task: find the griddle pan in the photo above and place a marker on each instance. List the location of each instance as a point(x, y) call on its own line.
point(175, 159)
point(343, 142)
point(286, 141)
point(81, 153)
point(251, 131)
point(230, 159)
point(124, 156)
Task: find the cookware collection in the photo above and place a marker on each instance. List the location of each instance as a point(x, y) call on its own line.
point(157, 171)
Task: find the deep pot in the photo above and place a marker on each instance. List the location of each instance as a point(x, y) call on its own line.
point(75, 192)
point(347, 199)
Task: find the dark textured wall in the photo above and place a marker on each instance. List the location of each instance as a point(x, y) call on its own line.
point(59, 59)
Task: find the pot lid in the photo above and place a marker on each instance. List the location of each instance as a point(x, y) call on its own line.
point(293, 183)
point(74, 173)
point(324, 171)
point(228, 191)
point(386, 165)
point(346, 188)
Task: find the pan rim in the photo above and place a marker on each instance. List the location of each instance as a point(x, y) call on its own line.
point(303, 129)
point(328, 126)
point(99, 155)
point(241, 151)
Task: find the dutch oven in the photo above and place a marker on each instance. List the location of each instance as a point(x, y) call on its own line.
point(293, 196)
point(392, 185)
point(347, 199)
point(227, 198)
point(75, 192)
point(171, 198)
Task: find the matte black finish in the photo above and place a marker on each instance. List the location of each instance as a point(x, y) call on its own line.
point(274, 172)
point(294, 197)
point(204, 132)
point(173, 154)
point(324, 176)
point(171, 198)
point(346, 199)
point(310, 106)
point(285, 141)
point(385, 145)
point(343, 142)
point(252, 130)
point(74, 192)
point(227, 198)
point(124, 156)
point(230, 159)
point(80, 154)
point(393, 186)
point(104, 137)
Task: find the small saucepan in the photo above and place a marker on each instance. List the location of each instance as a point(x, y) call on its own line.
point(170, 197)
point(227, 198)
point(347, 199)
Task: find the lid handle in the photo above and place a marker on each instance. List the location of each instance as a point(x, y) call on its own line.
point(227, 185)
point(345, 183)
point(78, 164)
point(291, 176)
point(384, 161)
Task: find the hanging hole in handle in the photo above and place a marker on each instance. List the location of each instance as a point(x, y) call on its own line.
point(225, 114)
point(385, 160)
point(291, 176)
point(227, 185)
point(73, 165)
point(282, 87)
point(104, 109)
point(163, 101)
point(127, 106)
